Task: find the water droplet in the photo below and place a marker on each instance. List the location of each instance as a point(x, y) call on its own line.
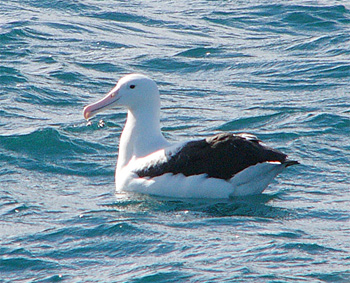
point(101, 124)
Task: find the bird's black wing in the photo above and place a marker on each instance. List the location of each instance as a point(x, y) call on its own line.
point(221, 156)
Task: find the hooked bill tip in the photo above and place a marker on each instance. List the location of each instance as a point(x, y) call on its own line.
point(87, 113)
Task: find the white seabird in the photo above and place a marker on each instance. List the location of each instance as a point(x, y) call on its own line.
point(221, 166)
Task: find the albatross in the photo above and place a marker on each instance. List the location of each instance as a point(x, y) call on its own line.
point(222, 166)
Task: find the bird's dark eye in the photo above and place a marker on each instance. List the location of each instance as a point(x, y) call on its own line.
point(132, 86)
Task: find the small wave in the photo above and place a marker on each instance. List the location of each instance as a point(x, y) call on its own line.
point(69, 28)
point(165, 276)
point(70, 6)
point(167, 64)
point(310, 248)
point(43, 95)
point(102, 67)
point(199, 52)
point(319, 17)
point(8, 70)
point(307, 20)
point(283, 18)
point(41, 142)
point(331, 277)
point(10, 76)
point(13, 35)
point(328, 121)
point(78, 232)
point(67, 76)
point(15, 208)
point(126, 21)
point(331, 44)
point(249, 122)
point(51, 150)
point(121, 17)
point(285, 234)
point(22, 263)
point(338, 70)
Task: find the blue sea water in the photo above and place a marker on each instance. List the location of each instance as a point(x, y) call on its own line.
point(277, 69)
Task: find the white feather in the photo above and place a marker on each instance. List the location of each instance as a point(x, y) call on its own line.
point(254, 179)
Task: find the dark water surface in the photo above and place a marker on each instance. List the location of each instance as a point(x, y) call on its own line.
point(278, 69)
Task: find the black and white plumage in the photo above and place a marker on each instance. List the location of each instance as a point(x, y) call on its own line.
point(221, 156)
point(221, 166)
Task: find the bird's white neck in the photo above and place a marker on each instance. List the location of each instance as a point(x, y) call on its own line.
point(141, 135)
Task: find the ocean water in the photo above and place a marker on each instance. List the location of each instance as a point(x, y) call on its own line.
point(277, 69)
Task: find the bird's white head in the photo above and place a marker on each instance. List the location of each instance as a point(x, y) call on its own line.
point(133, 91)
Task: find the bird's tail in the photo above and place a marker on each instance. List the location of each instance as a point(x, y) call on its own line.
point(288, 163)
